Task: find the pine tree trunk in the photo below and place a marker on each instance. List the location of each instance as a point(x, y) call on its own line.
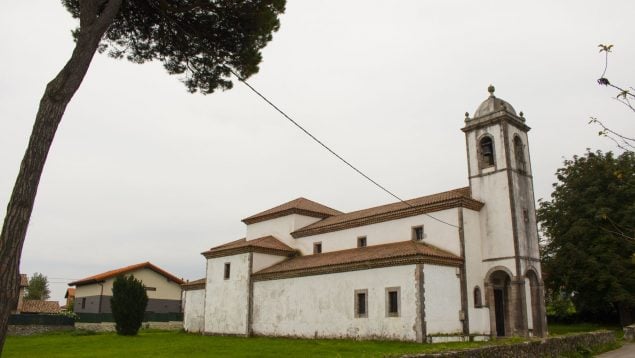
point(57, 95)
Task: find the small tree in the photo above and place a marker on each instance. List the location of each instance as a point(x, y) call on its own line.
point(38, 288)
point(128, 304)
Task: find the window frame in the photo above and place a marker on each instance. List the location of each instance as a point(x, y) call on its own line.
point(478, 297)
point(519, 154)
point(482, 163)
point(357, 313)
point(317, 247)
point(413, 231)
point(397, 291)
point(227, 270)
point(362, 241)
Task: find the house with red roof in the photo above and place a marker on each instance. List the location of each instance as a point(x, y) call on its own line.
point(93, 293)
point(458, 265)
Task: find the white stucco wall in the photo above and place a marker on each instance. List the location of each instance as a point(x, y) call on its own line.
point(475, 276)
point(442, 300)
point(280, 228)
point(193, 310)
point(436, 233)
point(323, 305)
point(262, 261)
point(227, 301)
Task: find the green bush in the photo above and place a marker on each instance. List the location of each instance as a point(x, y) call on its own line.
point(128, 304)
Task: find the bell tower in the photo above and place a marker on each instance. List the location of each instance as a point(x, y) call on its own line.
point(500, 175)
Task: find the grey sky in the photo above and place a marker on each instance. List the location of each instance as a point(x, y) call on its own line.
point(141, 170)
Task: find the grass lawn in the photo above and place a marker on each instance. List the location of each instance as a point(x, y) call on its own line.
point(177, 344)
point(563, 329)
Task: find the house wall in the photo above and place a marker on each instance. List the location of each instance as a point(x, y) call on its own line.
point(442, 300)
point(281, 228)
point(475, 275)
point(166, 297)
point(227, 301)
point(194, 310)
point(436, 233)
point(262, 261)
point(323, 305)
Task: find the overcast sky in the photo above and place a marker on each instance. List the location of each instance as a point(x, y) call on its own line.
point(141, 170)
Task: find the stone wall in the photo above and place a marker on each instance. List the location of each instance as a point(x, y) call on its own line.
point(110, 326)
point(549, 347)
point(29, 329)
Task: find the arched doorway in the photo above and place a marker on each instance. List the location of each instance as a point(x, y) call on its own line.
point(537, 304)
point(498, 286)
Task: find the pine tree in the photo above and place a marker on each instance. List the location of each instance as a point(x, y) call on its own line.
point(128, 304)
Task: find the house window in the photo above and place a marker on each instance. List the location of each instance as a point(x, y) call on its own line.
point(317, 247)
point(83, 302)
point(361, 241)
point(393, 296)
point(478, 303)
point(150, 288)
point(417, 233)
point(486, 147)
point(227, 271)
point(519, 153)
point(361, 303)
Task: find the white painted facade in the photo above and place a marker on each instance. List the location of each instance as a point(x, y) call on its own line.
point(194, 310)
point(488, 283)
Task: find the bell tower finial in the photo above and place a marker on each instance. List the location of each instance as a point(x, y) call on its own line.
point(491, 90)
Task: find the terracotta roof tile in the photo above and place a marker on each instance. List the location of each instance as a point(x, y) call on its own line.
point(403, 252)
point(113, 273)
point(266, 244)
point(38, 306)
point(300, 206)
point(430, 203)
point(194, 285)
point(24, 281)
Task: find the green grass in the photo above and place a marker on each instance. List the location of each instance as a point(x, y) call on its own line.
point(179, 344)
point(564, 329)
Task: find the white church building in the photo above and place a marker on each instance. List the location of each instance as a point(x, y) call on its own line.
point(457, 265)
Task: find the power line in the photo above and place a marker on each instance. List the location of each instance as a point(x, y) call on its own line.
point(329, 149)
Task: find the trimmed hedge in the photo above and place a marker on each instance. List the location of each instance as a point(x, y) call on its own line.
point(40, 319)
point(147, 317)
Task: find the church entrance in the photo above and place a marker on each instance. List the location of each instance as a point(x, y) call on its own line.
point(499, 292)
point(499, 311)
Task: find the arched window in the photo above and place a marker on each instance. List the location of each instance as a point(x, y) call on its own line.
point(486, 152)
point(519, 153)
point(477, 297)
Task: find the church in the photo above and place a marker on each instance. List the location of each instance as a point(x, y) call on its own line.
point(458, 265)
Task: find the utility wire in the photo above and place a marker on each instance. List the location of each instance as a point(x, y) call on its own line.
point(329, 149)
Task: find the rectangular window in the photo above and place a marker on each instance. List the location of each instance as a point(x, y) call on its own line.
point(83, 302)
point(361, 241)
point(227, 271)
point(417, 233)
point(361, 303)
point(317, 247)
point(392, 301)
point(150, 288)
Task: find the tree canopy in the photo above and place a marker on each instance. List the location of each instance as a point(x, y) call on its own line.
point(589, 225)
point(128, 304)
point(38, 288)
point(205, 41)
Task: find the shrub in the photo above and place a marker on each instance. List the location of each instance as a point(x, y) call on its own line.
point(128, 304)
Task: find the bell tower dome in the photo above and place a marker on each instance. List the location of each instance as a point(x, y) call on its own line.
point(500, 175)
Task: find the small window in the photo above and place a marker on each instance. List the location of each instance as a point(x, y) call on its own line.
point(361, 241)
point(227, 271)
point(361, 303)
point(83, 302)
point(417, 233)
point(150, 288)
point(478, 303)
point(486, 152)
point(392, 301)
point(317, 247)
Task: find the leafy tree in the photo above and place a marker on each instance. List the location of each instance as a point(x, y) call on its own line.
point(590, 225)
point(38, 288)
point(128, 304)
point(204, 41)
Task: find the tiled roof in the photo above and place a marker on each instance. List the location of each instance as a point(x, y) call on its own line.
point(194, 285)
point(108, 274)
point(266, 244)
point(38, 306)
point(70, 292)
point(300, 206)
point(24, 281)
point(398, 253)
point(441, 201)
